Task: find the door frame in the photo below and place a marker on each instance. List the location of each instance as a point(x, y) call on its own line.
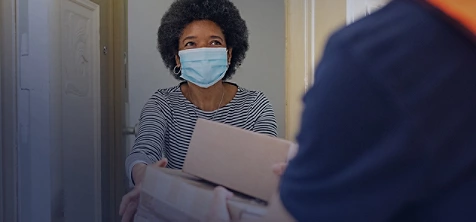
point(114, 110)
point(8, 112)
point(309, 24)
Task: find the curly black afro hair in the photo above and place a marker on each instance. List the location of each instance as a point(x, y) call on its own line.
point(222, 12)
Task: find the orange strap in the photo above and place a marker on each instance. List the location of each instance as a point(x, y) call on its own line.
point(463, 11)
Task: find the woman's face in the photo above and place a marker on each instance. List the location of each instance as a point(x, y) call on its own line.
point(202, 33)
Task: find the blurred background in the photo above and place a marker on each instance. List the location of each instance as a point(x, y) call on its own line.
point(75, 75)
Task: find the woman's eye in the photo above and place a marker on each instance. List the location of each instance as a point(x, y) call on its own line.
point(216, 42)
point(189, 44)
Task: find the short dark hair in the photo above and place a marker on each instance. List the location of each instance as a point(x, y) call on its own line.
point(183, 12)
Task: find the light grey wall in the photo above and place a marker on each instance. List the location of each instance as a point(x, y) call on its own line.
point(263, 68)
point(8, 197)
point(146, 71)
point(34, 185)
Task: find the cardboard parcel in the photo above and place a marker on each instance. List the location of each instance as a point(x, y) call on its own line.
point(175, 196)
point(218, 154)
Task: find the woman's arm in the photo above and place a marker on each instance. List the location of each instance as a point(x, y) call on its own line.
point(266, 121)
point(149, 144)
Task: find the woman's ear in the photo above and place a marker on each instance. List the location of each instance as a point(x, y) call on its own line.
point(229, 52)
point(177, 60)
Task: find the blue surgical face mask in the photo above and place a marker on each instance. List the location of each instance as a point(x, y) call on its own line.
point(203, 66)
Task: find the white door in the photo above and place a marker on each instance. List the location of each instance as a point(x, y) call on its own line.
point(78, 108)
point(262, 69)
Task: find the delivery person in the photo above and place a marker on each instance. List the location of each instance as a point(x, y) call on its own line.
point(389, 128)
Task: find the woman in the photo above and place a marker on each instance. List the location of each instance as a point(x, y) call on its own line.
point(202, 43)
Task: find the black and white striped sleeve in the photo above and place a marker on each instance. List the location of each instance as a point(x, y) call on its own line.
point(266, 119)
point(149, 143)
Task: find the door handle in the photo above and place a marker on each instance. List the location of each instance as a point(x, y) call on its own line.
point(131, 130)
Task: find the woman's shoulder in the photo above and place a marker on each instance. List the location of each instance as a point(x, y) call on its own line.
point(164, 96)
point(170, 91)
point(251, 96)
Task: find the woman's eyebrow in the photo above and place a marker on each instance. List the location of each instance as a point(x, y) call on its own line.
point(189, 38)
point(216, 37)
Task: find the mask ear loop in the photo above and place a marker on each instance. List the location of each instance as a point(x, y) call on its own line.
point(175, 70)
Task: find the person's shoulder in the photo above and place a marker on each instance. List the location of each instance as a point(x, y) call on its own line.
point(168, 92)
point(390, 45)
point(162, 97)
point(400, 26)
point(251, 96)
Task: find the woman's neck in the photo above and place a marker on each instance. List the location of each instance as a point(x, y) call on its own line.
point(207, 99)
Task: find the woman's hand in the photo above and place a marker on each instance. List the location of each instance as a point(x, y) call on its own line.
point(279, 168)
point(138, 171)
point(218, 211)
point(130, 201)
point(129, 204)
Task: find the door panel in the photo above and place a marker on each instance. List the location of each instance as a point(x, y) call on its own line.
point(80, 110)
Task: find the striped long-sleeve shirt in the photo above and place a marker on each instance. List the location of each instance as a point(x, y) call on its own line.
point(167, 121)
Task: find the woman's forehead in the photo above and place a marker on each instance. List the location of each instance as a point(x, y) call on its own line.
point(202, 28)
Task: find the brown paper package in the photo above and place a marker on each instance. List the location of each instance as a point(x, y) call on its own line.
point(236, 159)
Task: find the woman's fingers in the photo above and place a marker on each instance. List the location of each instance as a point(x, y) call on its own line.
point(129, 212)
point(222, 194)
point(219, 210)
point(279, 168)
point(129, 202)
point(161, 163)
point(133, 195)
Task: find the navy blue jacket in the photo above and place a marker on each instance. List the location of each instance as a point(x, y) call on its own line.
point(388, 131)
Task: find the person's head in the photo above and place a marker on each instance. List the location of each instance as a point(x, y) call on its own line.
point(191, 24)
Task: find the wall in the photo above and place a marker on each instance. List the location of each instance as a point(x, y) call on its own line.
point(8, 67)
point(33, 111)
point(263, 68)
point(357, 9)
